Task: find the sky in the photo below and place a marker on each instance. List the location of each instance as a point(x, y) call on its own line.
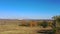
point(29, 9)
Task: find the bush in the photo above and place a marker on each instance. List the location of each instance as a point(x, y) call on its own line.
point(54, 30)
point(23, 25)
point(44, 24)
point(39, 24)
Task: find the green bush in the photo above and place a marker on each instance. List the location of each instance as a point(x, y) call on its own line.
point(44, 24)
point(54, 30)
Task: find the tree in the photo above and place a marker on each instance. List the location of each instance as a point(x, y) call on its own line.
point(44, 24)
point(57, 20)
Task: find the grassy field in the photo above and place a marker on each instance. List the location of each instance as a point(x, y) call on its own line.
point(15, 29)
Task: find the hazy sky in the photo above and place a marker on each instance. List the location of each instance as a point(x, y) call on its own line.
point(29, 9)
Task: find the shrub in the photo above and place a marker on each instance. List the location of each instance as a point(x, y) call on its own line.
point(23, 25)
point(44, 24)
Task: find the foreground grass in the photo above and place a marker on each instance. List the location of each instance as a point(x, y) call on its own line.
point(14, 29)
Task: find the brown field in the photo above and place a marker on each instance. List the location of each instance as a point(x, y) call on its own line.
point(13, 29)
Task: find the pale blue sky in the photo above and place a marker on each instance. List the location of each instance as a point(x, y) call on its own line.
point(29, 9)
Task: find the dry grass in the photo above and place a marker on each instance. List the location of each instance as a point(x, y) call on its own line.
point(14, 29)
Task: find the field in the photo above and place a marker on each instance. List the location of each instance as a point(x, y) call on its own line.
point(15, 29)
point(12, 27)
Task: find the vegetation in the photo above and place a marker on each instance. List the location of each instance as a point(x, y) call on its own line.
point(38, 23)
point(57, 20)
point(19, 28)
point(44, 24)
point(27, 24)
point(14, 29)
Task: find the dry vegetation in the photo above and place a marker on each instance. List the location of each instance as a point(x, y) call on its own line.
point(13, 29)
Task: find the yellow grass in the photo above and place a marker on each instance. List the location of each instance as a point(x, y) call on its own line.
point(14, 29)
